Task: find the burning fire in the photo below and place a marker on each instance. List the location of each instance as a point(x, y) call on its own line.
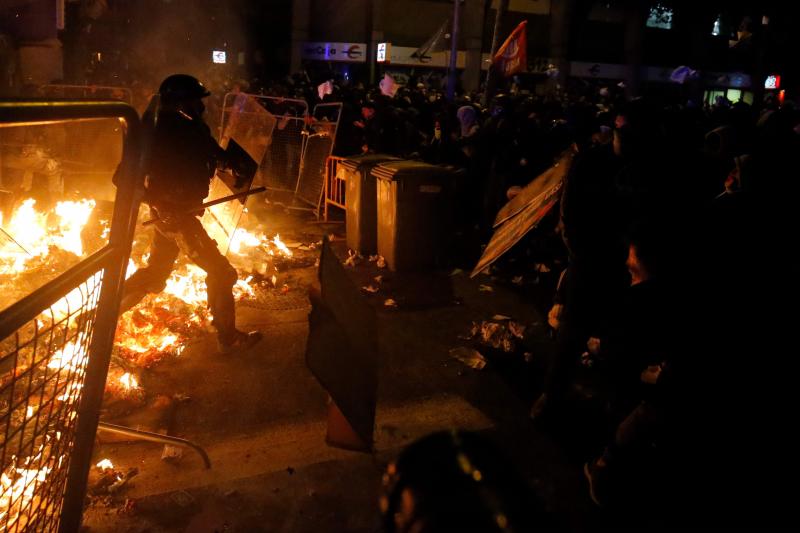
point(19, 496)
point(161, 324)
point(128, 382)
point(36, 234)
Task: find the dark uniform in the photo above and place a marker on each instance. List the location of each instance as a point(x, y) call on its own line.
point(184, 157)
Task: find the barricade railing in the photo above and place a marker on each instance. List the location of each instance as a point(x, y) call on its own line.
point(55, 349)
point(335, 186)
point(96, 92)
point(318, 147)
point(282, 135)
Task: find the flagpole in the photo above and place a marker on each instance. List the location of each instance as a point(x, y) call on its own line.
point(452, 74)
point(491, 75)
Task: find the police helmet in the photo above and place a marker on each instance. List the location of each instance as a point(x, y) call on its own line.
point(180, 87)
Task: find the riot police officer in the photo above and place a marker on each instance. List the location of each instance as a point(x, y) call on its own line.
point(183, 159)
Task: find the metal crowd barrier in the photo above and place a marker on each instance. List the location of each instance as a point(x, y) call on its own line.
point(335, 186)
point(318, 147)
point(282, 134)
point(298, 144)
point(55, 349)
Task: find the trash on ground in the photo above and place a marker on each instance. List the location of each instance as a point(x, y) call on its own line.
point(171, 454)
point(353, 258)
point(182, 498)
point(390, 303)
point(485, 288)
point(372, 289)
point(470, 357)
point(498, 335)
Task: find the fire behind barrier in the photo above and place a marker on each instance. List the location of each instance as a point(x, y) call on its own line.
point(55, 347)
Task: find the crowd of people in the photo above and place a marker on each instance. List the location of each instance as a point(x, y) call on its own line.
point(672, 224)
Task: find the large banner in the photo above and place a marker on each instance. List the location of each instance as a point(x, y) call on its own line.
point(525, 211)
point(512, 57)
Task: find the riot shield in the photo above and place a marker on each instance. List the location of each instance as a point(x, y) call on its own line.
point(247, 123)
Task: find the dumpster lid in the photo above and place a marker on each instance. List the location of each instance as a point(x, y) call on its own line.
point(355, 162)
point(393, 170)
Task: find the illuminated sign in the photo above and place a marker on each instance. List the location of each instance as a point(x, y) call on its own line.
point(382, 56)
point(219, 56)
point(347, 52)
point(773, 82)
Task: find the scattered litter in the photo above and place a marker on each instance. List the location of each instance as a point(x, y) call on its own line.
point(129, 507)
point(456, 272)
point(485, 288)
point(293, 244)
point(353, 258)
point(181, 397)
point(182, 498)
point(373, 258)
point(516, 280)
point(304, 248)
point(274, 280)
point(378, 279)
point(501, 317)
point(171, 454)
point(516, 329)
point(381, 262)
point(122, 480)
point(284, 289)
point(541, 267)
point(470, 357)
point(498, 335)
point(370, 289)
point(390, 303)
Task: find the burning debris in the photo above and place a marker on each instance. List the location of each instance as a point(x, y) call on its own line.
point(108, 480)
point(35, 247)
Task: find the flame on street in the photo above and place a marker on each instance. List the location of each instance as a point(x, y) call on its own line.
point(39, 246)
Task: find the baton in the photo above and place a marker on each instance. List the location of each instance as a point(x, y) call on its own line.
point(210, 203)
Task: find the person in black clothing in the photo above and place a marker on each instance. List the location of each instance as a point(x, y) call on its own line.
point(595, 277)
point(378, 127)
point(183, 160)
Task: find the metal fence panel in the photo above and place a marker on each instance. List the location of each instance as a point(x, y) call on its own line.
point(312, 173)
point(279, 167)
point(55, 347)
point(319, 146)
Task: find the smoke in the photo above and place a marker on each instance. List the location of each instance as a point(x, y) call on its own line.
point(177, 36)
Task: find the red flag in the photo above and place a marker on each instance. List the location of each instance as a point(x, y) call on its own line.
point(512, 57)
